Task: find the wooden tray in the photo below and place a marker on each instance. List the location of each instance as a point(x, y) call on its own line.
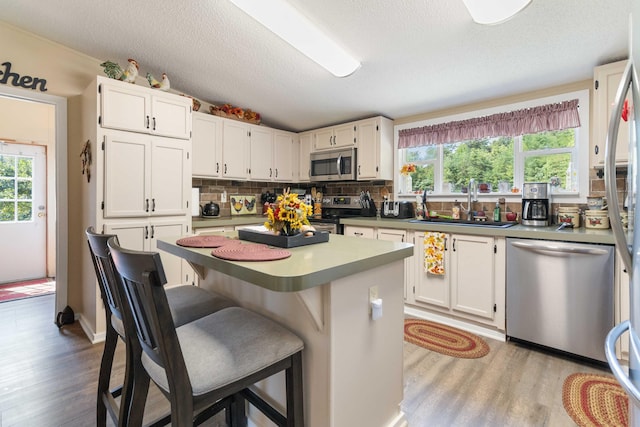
point(283, 241)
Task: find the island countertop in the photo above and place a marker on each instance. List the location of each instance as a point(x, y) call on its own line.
point(307, 267)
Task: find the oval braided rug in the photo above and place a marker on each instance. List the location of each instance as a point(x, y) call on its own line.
point(444, 339)
point(595, 400)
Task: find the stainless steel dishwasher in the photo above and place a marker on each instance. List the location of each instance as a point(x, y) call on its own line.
point(560, 295)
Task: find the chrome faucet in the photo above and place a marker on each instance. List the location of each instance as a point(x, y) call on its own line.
point(472, 196)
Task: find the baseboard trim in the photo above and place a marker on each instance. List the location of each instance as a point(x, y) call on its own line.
point(88, 331)
point(465, 326)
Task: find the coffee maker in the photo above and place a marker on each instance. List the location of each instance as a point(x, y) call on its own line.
point(535, 204)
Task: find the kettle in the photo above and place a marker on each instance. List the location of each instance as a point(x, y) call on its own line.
point(210, 209)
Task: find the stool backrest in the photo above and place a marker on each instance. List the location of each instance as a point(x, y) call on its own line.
point(105, 272)
point(143, 279)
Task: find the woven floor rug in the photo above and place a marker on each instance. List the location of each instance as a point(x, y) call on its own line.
point(27, 289)
point(444, 339)
point(595, 400)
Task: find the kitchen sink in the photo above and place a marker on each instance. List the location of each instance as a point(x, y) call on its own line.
point(464, 222)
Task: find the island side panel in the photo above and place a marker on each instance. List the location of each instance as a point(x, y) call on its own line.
point(353, 365)
point(287, 309)
point(366, 354)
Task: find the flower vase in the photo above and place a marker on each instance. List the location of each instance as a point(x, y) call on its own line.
point(407, 185)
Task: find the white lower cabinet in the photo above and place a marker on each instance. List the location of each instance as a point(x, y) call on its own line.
point(142, 235)
point(473, 283)
point(355, 231)
point(472, 286)
point(472, 275)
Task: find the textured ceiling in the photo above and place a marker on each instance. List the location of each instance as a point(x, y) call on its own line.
point(417, 55)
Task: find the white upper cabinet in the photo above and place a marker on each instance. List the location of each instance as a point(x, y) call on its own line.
point(207, 146)
point(304, 156)
point(283, 155)
point(335, 137)
point(125, 106)
point(235, 150)
point(606, 81)
point(144, 175)
point(261, 166)
point(375, 149)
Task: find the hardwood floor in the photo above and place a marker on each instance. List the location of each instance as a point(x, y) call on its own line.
point(48, 378)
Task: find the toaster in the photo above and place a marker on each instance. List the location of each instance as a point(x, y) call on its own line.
point(396, 209)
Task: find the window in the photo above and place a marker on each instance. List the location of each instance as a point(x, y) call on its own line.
point(16, 188)
point(501, 164)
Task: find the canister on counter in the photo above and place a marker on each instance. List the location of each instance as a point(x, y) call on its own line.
point(596, 218)
point(569, 215)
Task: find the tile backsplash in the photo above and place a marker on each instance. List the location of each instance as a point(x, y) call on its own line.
point(211, 191)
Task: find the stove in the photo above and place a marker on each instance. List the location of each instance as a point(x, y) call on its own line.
point(336, 207)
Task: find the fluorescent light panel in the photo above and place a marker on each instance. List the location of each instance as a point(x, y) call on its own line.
point(294, 28)
point(489, 12)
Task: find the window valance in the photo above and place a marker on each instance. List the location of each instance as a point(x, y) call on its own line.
point(562, 115)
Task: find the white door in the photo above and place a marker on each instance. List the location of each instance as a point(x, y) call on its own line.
point(23, 219)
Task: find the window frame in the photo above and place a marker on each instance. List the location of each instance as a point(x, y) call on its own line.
point(580, 151)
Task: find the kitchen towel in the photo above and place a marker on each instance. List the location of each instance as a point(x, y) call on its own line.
point(434, 253)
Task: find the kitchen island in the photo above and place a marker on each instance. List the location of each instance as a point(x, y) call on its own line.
point(352, 364)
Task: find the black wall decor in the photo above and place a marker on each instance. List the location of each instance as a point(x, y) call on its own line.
point(15, 79)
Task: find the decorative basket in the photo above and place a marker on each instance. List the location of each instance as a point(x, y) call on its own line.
point(242, 115)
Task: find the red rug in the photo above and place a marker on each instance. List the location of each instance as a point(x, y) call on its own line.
point(444, 339)
point(27, 289)
point(595, 400)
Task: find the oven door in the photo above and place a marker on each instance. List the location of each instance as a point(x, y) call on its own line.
point(325, 226)
point(334, 165)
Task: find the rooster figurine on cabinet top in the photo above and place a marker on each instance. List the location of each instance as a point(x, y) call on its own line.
point(163, 85)
point(115, 71)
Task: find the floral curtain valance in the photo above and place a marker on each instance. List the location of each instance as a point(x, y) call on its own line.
point(563, 115)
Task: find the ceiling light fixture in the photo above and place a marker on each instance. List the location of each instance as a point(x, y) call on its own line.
point(294, 28)
point(490, 12)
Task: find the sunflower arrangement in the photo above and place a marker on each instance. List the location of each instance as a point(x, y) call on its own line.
point(408, 168)
point(288, 214)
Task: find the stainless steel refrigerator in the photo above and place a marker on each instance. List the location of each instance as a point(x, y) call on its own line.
point(627, 241)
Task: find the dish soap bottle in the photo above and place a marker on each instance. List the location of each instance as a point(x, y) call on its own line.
point(455, 210)
point(496, 213)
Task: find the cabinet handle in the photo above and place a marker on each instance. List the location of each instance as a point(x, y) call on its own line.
point(146, 201)
point(217, 167)
point(358, 169)
point(147, 122)
point(454, 245)
point(225, 168)
point(153, 205)
point(270, 172)
point(154, 123)
point(358, 234)
point(153, 231)
point(146, 232)
point(276, 172)
point(596, 149)
point(445, 243)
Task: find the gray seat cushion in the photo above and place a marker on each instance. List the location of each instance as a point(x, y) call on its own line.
point(187, 303)
point(226, 346)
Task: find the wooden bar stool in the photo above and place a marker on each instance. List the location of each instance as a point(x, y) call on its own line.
point(186, 303)
point(210, 360)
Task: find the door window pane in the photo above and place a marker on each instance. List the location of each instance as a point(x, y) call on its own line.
point(16, 188)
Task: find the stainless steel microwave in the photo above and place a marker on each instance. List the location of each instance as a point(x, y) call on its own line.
point(335, 165)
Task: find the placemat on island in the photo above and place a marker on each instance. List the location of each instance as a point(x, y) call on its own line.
point(250, 253)
point(444, 339)
point(595, 400)
point(206, 241)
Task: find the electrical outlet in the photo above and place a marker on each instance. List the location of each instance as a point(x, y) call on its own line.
point(223, 197)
